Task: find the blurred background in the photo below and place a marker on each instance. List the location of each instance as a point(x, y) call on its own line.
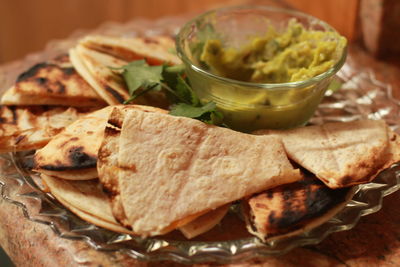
point(26, 26)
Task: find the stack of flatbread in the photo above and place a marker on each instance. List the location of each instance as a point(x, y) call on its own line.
point(72, 84)
point(107, 141)
point(157, 173)
point(135, 169)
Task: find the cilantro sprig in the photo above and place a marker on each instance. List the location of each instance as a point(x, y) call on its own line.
point(141, 78)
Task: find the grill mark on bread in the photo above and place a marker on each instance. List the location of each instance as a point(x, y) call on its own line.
point(41, 80)
point(32, 71)
point(68, 141)
point(114, 93)
point(78, 160)
point(14, 115)
point(61, 87)
point(19, 139)
point(298, 208)
point(68, 71)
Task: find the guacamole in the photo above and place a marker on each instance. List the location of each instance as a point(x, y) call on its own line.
point(296, 54)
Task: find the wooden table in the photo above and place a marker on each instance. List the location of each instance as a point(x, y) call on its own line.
point(375, 241)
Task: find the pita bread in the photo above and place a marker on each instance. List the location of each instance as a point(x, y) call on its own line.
point(108, 175)
point(72, 154)
point(52, 83)
point(341, 154)
point(293, 208)
point(156, 49)
point(75, 149)
point(96, 68)
point(107, 165)
point(86, 200)
point(27, 128)
point(174, 167)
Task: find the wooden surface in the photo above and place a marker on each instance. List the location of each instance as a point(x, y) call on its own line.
point(26, 26)
point(379, 25)
point(375, 241)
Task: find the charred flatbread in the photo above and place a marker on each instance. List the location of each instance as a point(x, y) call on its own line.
point(95, 68)
point(55, 82)
point(27, 128)
point(72, 154)
point(155, 49)
point(174, 168)
point(293, 208)
point(342, 154)
point(98, 69)
point(86, 199)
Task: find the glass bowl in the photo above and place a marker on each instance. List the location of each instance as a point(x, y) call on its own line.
point(249, 106)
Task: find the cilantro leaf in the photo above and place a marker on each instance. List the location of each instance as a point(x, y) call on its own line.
point(142, 78)
point(186, 92)
point(138, 74)
point(206, 113)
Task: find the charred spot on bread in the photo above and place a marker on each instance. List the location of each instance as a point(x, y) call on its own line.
point(78, 160)
point(68, 71)
point(114, 93)
point(32, 71)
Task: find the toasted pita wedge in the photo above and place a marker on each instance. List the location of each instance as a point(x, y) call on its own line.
point(107, 164)
point(86, 199)
point(174, 168)
point(341, 154)
point(293, 208)
point(74, 149)
point(156, 49)
point(72, 154)
point(52, 83)
point(27, 128)
point(96, 68)
point(108, 171)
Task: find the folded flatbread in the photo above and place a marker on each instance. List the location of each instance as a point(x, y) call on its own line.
point(86, 199)
point(157, 50)
point(72, 154)
point(27, 128)
point(293, 208)
point(55, 82)
point(107, 164)
point(174, 168)
point(342, 154)
point(97, 69)
point(108, 171)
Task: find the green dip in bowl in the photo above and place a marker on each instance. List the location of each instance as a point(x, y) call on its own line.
point(264, 67)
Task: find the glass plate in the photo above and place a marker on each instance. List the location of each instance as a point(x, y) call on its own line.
point(361, 96)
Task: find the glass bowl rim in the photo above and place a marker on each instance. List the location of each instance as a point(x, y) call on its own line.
point(264, 86)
